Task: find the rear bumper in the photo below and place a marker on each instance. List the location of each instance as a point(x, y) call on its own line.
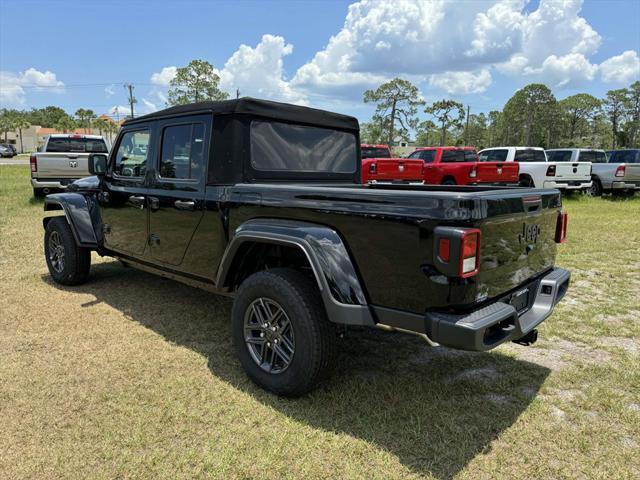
point(625, 186)
point(59, 183)
point(487, 327)
point(568, 185)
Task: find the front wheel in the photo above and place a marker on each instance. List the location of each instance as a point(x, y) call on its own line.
point(281, 333)
point(68, 263)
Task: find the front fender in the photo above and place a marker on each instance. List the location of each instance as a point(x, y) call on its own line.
point(81, 213)
point(341, 290)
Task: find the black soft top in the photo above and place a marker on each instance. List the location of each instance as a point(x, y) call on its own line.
point(259, 108)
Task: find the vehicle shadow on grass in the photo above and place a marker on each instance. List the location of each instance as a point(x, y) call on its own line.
point(434, 409)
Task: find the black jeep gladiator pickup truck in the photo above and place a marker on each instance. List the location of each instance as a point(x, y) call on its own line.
point(260, 201)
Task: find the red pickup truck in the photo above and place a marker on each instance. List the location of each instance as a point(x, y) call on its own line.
point(378, 166)
point(462, 166)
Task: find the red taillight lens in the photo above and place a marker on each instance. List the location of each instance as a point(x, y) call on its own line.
point(373, 168)
point(444, 249)
point(551, 171)
point(33, 160)
point(561, 227)
point(473, 173)
point(470, 258)
point(620, 171)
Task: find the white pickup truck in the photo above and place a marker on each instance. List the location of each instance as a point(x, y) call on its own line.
point(63, 159)
point(537, 171)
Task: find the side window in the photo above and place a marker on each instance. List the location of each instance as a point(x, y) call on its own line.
point(586, 156)
point(470, 156)
point(132, 154)
point(499, 155)
point(485, 156)
point(450, 156)
point(428, 156)
point(599, 157)
point(182, 153)
point(416, 154)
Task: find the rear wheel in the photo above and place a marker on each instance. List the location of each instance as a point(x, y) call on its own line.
point(68, 263)
point(448, 181)
point(596, 188)
point(281, 333)
point(526, 181)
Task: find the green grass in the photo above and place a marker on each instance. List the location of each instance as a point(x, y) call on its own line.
point(132, 375)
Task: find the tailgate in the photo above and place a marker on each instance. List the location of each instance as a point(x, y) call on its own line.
point(632, 172)
point(62, 165)
point(573, 171)
point(518, 241)
point(498, 172)
point(397, 169)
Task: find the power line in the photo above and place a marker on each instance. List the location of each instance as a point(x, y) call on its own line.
point(81, 85)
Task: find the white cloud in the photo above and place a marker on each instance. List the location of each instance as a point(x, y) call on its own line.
point(109, 91)
point(12, 85)
point(259, 71)
point(622, 69)
point(164, 76)
point(149, 106)
point(462, 83)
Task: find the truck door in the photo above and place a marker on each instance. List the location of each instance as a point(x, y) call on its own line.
point(123, 203)
point(176, 196)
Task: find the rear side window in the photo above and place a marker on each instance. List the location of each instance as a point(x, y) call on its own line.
point(428, 156)
point(530, 156)
point(451, 156)
point(77, 145)
point(368, 152)
point(494, 156)
point(132, 154)
point(599, 157)
point(470, 156)
point(626, 156)
point(416, 154)
point(182, 154)
point(563, 156)
point(277, 146)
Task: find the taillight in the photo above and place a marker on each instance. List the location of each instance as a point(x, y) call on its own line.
point(373, 168)
point(470, 258)
point(620, 171)
point(551, 171)
point(456, 251)
point(561, 227)
point(33, 160)
point(444, 249)
point(473, 173)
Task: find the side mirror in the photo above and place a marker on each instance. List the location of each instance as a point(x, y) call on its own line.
point(97, 163)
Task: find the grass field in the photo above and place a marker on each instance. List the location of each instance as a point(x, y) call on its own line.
point(133, 376)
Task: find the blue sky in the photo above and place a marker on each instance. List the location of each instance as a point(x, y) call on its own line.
point(319, 53)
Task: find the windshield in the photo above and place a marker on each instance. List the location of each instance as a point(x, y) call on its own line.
point(77, 144)
point(375, 152)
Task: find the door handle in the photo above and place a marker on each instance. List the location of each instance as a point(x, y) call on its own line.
point(185, 204)
point(137, 201)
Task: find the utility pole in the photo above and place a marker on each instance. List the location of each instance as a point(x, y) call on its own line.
point(237, 93)
point(466, 129)
point(132, 99)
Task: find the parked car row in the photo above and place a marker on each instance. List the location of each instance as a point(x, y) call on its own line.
point(567, 169)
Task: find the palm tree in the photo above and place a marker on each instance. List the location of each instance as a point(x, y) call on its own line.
point(20, 124)
point(66, 124)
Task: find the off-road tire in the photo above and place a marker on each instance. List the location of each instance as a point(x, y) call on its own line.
point(315, 336)
point(76, 260)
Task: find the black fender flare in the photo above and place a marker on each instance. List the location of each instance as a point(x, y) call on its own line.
point(81, 214)
point(343, 296)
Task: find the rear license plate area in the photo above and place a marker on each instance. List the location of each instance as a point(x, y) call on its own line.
point(520, 300)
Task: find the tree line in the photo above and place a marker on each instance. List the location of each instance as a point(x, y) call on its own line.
point(531, 117)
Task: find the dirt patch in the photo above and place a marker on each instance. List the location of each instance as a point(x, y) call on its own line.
point(567, 395)
point(558, 354)
point(482, 374)
point(497, 399)
point(629, 345)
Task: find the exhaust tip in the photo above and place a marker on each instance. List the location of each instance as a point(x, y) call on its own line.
point(529, 339)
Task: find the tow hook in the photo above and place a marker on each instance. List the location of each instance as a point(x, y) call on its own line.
point(529, 339)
